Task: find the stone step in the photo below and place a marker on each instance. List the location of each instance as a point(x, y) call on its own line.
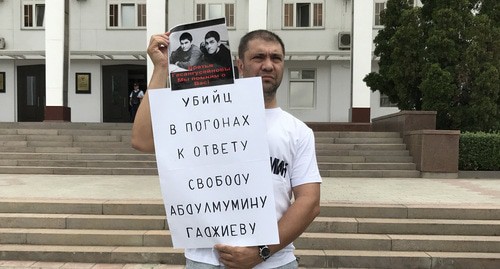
point(139, 164)
point(457, 212)
point(338, 210)
point(90, 132)
point(86, 207)
point(87, 254)
point(429, 226)
point(390, 242)
point(313, 241)
point(307, 258)
point(116, 150)
point(366, 166)
point(368, 147)
point(11, 264)
point(404, 226)
point(101, 144)
point(382, 153)
point(149, 168)
point(62, 144)
point(320, 225)
point(62, 132)
point(67, 125)
point(355, 159)
point(371, 173)
point(397, 259)
point(77, 170)
point(322, 134)
point(82, 237)
point(80, 163)
point(367, 140)
point(77, 156)
point(25, 149)
point(82, 221)
point(66, 138)
point(364, 159)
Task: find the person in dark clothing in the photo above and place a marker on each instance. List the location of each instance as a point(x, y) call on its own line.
point(135, 100)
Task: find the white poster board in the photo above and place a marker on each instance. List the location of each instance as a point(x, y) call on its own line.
point(213, 162)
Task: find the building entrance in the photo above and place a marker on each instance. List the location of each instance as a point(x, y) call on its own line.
point(118, 83)
point(30, 93)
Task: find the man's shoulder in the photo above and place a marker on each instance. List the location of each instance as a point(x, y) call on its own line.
point(291, 120)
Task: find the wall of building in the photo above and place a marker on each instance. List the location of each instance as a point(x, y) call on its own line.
point(340, 91)
point(7, 99)
point(91, 42)
point(88, 30)
point(86, 107)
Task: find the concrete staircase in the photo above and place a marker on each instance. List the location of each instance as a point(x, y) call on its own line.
point(71, 148)
point(363, 154)
point(104, 149)
point(347, 236)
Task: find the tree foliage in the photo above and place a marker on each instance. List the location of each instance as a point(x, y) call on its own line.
point(443, 56)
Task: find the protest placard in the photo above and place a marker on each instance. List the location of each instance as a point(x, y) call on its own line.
point(214, 167)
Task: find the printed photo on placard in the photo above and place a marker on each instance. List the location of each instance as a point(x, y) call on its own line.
point(199, 55)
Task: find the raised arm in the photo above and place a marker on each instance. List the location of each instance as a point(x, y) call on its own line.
point(142, 130)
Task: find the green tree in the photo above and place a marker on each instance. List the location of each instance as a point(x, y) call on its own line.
point(400, 56)
point(452, 65)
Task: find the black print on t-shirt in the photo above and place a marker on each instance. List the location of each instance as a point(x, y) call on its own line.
point(278, 167)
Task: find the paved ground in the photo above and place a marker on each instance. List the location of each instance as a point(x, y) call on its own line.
point(464, 192)
point(333, 190)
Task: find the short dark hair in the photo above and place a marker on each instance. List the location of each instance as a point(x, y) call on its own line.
point(258, 34)
point(187, 36)
point(213, 34)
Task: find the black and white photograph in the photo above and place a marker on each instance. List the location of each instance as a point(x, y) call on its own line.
point(200, 55)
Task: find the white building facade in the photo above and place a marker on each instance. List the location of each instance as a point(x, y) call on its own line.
point(76, 60)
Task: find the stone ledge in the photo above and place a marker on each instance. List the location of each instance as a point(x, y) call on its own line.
point(434, 151)
point(479, 174)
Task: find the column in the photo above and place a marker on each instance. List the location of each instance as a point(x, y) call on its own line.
point(56, 60)
point(156, 23)
point(257, 14)
point(361, 59)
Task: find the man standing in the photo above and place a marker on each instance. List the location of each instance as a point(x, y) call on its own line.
point(187, 54)
point(135, 100)
point(261, 53)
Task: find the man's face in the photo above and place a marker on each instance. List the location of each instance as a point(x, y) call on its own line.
point(264, 59)
point(211, 45)
point(185, 44)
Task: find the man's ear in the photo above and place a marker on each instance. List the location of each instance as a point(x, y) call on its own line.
point(239, 64)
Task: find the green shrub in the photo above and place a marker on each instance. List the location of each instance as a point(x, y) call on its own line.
point(479, 151)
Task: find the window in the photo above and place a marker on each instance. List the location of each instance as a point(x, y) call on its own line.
point(302, 88)
point(129, 14)
point(303, 14)
point(385, 102)
point(33, 14)
point(206, 11)
point(379, 7)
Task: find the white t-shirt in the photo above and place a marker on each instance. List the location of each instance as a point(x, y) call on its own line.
point(140, 95)
point(293, 163)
